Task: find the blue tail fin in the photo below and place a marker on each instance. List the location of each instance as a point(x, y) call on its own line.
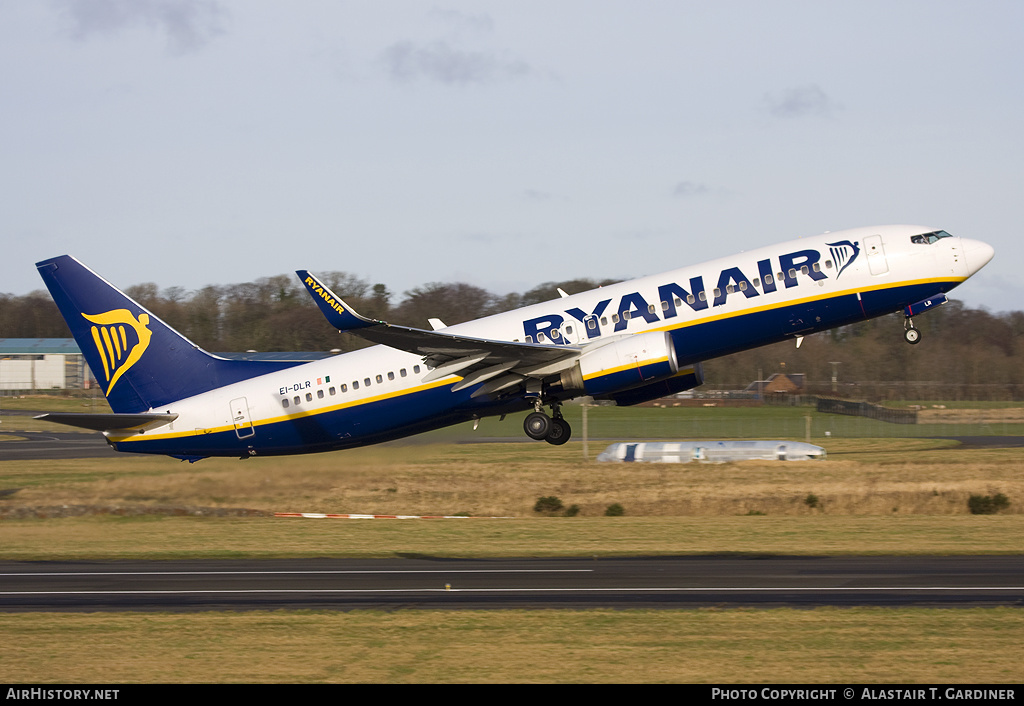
point(140, 362)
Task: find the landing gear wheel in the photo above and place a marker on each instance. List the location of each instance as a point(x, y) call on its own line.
point(537, 425)
point(559, 433)
point(912, 335)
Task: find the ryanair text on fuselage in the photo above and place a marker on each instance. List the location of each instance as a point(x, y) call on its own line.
point(731, 281)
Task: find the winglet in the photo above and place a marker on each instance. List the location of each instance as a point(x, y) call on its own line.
point(339, 314)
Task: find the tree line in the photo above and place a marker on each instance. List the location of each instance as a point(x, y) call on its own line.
point(964, 354)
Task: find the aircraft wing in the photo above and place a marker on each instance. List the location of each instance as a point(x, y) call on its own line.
point(474, 359)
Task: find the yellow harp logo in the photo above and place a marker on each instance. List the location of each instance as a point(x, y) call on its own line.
point(118, 350)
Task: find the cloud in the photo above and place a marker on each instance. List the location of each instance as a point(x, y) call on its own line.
point(188, 24)
point(463, 20)
point(686, 189)
point(479, 238)
point(800, 102)
point(540, 195)
point(408, 62)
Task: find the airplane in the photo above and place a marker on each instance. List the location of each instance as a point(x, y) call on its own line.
point(626, 343)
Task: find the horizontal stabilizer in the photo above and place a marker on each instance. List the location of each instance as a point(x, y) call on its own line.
point(109, 422)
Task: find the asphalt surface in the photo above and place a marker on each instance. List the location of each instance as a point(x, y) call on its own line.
point(56, 445)
point(423, 582)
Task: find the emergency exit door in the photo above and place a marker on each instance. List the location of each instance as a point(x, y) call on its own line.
point(240, 418)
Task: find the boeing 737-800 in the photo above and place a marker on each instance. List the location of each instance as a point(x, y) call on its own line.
point(627, 343)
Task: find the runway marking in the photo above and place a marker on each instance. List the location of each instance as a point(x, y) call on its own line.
point(507, 590)
point(351, 516)
point(283, 573)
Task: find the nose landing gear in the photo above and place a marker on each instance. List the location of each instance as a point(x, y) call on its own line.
point(910, 334)
point(540, 426)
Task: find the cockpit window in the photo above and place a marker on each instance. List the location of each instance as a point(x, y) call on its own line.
point(929, 238)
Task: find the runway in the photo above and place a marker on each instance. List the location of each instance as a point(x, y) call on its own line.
point(55, 445)
point(388, 584)
point(60, 445)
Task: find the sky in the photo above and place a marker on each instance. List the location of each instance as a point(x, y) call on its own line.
point(502, 144)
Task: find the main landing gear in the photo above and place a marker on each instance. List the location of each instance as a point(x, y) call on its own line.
point(910, 334)
point(553, 430)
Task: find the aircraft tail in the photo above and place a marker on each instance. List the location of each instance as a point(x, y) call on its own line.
point(140, 362)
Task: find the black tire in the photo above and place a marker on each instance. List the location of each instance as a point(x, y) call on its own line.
point(537, 425)
point(912, 335)
point(559, 433)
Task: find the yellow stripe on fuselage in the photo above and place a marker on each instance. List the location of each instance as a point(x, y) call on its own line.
point(286, 417)
point(453, 378)
point(804, 300)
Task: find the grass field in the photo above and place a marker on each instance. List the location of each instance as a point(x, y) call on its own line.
point(873, 495)
point(852, 646)
point(860, 477)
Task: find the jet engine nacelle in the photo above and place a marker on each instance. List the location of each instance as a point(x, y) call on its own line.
point(685, 379)
point(629, 362)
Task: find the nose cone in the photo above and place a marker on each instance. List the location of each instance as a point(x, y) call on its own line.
point(977, 254)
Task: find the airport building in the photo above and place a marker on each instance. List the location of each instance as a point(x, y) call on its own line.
point(42, 364)
point(30, 365)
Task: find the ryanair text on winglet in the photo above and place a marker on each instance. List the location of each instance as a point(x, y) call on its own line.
point(322, 293)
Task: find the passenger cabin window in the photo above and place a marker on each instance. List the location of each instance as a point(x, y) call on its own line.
point(391, 375)
point(285, 403)
point(380, 379)
point(319, 394)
